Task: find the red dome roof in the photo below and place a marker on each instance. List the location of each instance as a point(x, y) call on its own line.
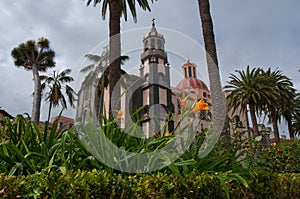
point(191, 83)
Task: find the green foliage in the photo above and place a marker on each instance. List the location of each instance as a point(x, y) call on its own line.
point(121, 150)
point(34, 53)
point(100, 184)
point(26, 148)
point(144, 4)
point(282, 158)
point(237, 167)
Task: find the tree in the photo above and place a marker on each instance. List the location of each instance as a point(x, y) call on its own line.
point(99, 66)
point(35, 56)
point(282, 100)
point(249, 88)
point(218, 100)
point(57, 82)
point(289, 110)
point(116, 9)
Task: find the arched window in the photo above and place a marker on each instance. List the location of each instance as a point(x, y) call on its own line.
point(190, 71)
point(185, 73)
point(204, 94)
point(159, 44)
point(152, 43)
point(146, 45)
point(161, 77)
point(194, 72)
point(146, 77)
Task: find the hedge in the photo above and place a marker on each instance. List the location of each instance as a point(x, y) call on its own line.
point(100, 184)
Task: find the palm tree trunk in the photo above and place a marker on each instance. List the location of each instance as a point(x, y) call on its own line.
point(37, 95)
point(208, 32)
point(253, 119)
point(291, 129)
point(218, 97)
point(274, 124)
point(114, 53)
point(49, 113)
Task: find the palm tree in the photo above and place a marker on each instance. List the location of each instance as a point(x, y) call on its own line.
point(99, 66)
point(99, 63)
point(57, 82)
point(249, 88)
point(283, 101)
point(218, 100)
point(287, 112)
point(116, 9)
point(35, 56)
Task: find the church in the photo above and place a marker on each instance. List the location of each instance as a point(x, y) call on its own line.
point(148, 99)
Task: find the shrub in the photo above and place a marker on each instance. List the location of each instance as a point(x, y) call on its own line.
point(101, 184)
point(283, 158)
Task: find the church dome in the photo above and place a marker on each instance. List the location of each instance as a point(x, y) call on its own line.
point(191, 83)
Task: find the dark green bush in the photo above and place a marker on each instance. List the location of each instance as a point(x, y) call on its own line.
point(283, 158)
point(100, 184)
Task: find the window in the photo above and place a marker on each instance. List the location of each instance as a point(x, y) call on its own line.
point(161, 77)
point(159, 44)
point(146, 112)
point(146, 45)
point(147, 77)
point(152, 43)
point(190, 72)
point(185, 73)
point(204, 94)
point(237, 119)
point(238, 123)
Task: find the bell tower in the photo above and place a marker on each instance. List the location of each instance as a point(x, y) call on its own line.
point(189, 70)
point(156, 92)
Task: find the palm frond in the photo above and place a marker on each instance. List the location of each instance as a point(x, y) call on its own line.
point(87, 68)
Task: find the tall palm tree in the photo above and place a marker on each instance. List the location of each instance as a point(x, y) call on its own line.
point(218, 100)
point(57, 82)
point(35, 56)
point(284, 100)
point(117, 8)
point(249, 88)
point(99, 66)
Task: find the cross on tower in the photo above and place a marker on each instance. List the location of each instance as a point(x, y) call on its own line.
point(153, 22)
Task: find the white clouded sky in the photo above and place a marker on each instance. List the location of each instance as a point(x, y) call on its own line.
point(256, 33)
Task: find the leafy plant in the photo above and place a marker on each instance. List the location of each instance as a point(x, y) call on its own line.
point(27, 148)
